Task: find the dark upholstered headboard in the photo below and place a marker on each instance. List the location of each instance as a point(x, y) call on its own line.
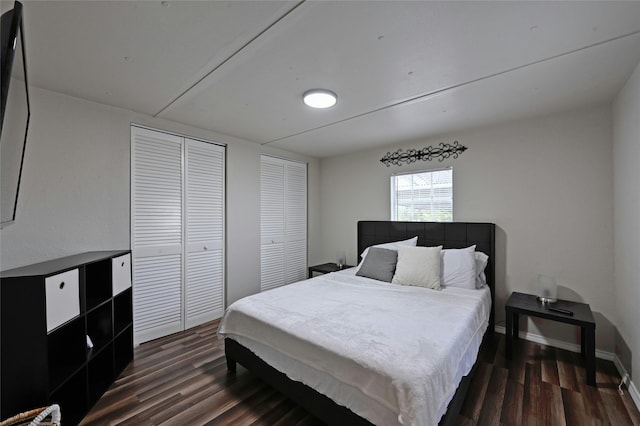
point(448, 235)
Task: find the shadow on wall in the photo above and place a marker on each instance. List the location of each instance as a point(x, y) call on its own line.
point(605, 330)
point(623, 352)
point(502, 292)
point(570, 334)
point(607, 336)
point(565, 293)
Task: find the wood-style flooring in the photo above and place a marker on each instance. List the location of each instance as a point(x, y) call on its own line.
point(182, 380)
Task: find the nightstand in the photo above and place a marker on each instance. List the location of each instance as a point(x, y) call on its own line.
point(326, 268)
point(528, 304)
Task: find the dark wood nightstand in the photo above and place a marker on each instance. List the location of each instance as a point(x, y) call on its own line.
point(528, 304)
point(325, 268)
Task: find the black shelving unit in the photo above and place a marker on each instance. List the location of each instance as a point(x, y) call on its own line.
point(64, 357)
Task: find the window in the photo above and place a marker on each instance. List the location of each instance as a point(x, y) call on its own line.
point(423, 196)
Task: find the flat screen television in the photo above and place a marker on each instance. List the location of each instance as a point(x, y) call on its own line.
point(16, 112)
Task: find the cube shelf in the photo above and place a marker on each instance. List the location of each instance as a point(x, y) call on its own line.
point(100, 373)
point(64, 340)
point(74, 402)
point(98, 274)
point(99, 327)
point(122, 313)
point(66, 350)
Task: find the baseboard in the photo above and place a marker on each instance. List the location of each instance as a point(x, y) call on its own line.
point(573, 347)
point(633, 391)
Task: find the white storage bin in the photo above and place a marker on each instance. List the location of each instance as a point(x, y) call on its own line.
point(121, 273)
point(62, 294)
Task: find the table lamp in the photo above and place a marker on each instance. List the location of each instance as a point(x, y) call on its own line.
point(547, 289)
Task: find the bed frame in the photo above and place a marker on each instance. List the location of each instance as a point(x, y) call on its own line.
point(449, 235)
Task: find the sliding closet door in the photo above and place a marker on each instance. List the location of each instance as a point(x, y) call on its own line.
point(283, 222)
point(156, 204)
point(204, 297)
point(177, 226)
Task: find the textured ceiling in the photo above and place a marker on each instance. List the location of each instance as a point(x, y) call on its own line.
point(402, 70)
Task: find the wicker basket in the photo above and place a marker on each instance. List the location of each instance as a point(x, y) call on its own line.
point(36, 417)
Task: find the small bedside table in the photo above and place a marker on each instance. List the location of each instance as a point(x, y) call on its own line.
point(528, 304)
point(325, 268)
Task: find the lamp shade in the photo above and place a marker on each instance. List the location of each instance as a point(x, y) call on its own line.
point(547, 289)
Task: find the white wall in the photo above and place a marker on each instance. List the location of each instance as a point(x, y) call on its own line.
point(626, 161)
point(75, 190)
point(546, 183)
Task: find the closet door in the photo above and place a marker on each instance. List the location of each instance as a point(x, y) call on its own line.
point(283, 222)
point(156, 226)
point(177, 232)
point(204, 284)
point(295, 241)
point(272, 204)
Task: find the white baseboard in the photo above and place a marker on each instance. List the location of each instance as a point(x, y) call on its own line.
point(573, 347)
point(633, 391)
point(631, 387)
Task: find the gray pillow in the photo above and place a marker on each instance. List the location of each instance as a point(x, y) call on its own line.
point(380, 264)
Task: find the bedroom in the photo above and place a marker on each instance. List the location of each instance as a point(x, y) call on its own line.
point(558, 183)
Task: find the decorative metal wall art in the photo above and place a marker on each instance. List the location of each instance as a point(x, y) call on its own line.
point(428, 153)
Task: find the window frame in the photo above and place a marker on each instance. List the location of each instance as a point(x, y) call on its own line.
point(393, 195)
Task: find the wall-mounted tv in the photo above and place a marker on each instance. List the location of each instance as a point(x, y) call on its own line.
point(16, 112)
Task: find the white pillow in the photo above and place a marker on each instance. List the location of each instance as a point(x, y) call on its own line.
point(393, 245)
point(481, 263)
point(459, 268)
point(418, 266)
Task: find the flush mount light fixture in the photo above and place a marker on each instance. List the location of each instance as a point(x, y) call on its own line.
point(319, 98)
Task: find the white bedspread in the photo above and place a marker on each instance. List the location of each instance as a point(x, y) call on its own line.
point(404, 347)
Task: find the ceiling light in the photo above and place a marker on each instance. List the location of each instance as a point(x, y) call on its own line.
point(319, 98)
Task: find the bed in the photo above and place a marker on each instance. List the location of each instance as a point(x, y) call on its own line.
point(342, 340)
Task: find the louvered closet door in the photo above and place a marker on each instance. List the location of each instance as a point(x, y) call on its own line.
point(177, 232)
point(283, 222)
point(156, 233)
point(272, 204)
point(204, 284)
point(295, 222)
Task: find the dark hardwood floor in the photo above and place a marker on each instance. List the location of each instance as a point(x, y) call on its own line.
point(183, 380)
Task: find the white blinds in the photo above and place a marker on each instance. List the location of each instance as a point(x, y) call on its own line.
point(283, 222)
point(423, 196)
